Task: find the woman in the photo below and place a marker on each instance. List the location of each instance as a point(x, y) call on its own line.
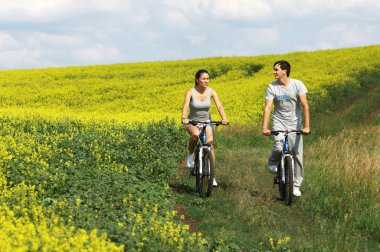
point(198, 99)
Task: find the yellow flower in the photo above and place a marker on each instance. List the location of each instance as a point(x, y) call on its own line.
point(77, 202)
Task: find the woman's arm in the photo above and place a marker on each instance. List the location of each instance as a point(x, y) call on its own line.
point(185, 107)
point(219, 106)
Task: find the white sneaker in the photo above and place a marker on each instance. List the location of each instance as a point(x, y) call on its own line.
point(214, 183)
point(272, 168)
point(296, 191)
point(190, 161)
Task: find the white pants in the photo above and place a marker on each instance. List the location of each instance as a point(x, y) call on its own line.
point(296, 146)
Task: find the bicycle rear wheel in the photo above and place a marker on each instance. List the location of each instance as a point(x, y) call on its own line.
point(288, 192)
point(205, 181)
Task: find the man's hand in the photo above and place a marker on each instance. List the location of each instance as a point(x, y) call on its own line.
point(306, 131)
point(266, 132)
point(225, 122)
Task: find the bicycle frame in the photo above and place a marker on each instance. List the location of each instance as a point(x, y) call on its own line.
point(201, 146)
point(280, 179)
point(204, 173)
point(285, 153)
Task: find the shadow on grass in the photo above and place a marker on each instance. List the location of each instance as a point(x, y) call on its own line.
point(182, 188)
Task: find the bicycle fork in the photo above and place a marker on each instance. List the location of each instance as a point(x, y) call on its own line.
point(286, 153)
point(282, 167)
point(200, 159)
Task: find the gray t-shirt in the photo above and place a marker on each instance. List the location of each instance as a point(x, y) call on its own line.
point(287, 106)
point(200, 110)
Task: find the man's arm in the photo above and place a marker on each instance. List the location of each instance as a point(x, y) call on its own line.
point(267, 108)
point(306, 114)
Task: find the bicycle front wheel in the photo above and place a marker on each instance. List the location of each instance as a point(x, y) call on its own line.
point(281, 184)
point(205, 181)
point(288, 192)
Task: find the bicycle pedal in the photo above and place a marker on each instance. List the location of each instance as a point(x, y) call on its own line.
point(275, 181)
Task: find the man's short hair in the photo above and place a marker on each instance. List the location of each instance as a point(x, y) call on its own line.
point(284, 66)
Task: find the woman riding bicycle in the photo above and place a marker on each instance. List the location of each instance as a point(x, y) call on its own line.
point(198, 99)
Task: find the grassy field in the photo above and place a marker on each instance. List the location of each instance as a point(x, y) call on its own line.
point(339, 209)
point(89, 158)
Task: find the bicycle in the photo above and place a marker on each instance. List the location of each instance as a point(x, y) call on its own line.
point(285, 169)
point(204, 167)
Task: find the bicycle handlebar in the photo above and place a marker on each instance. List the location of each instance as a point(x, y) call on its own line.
point(217, 123)
point(276, 132)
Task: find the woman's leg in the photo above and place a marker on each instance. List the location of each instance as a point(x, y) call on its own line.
point(194, 134)
point(210, 141)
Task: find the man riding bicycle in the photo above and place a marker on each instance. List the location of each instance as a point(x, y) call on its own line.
point(289, 98)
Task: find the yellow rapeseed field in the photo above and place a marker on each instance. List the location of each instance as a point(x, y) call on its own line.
point(142, 92)
point(48, 137)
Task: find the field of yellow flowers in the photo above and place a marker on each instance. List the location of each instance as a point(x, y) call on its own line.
point(142, 92)
point(89, 187)
point(86, 152)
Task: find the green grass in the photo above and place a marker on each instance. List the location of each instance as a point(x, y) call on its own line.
point(67, 148)
point(339, 209)
point(334, 214)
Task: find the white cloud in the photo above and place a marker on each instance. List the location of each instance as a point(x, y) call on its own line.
point(177, 20)
point(345, 35)
point(8, 42)
point(42, 10)
point(36, 10)
point(71, 32)
point(252, 10)
point(43, 39)
point(245, 41)
point(322, 8)
point(240, 9)
point(221, 9)
point(139, 17)
point(96, 53)
point(38, 49)
point(267, 36)
point(196, 39)
point(339, 35)
point(22, 58)
point(192, 8)
point(109, 6)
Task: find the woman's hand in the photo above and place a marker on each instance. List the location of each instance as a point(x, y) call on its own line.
point(225, 122)
point(184, 121)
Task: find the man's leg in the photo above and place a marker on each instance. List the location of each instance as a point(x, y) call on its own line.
point(275, 156)
point(297, 142)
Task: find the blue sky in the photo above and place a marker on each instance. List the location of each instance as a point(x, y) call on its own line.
point(51, 33)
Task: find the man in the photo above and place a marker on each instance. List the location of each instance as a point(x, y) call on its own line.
point(288, 96)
